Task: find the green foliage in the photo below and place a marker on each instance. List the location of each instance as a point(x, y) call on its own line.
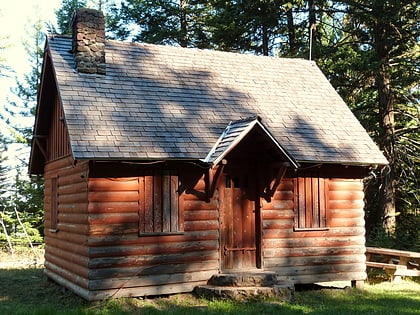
point(161, 22)
point(65, 13)
point(374, 64)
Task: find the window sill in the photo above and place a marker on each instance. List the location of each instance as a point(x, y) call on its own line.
point(310, 229)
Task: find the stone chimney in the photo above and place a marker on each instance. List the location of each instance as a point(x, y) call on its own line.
point(89, 41)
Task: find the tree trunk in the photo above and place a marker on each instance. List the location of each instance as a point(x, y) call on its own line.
point(386, 121)
point(312, 27)
point(183, 40)
point(291, 33)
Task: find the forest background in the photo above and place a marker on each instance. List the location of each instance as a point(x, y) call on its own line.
point(369, 50)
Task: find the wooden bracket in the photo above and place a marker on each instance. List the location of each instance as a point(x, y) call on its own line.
point(213, 178)
point(40, 147)
point(271, 188)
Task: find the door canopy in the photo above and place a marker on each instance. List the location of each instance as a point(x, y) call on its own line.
point(250, 138)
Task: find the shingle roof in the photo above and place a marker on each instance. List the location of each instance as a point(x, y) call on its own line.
point(163, 102)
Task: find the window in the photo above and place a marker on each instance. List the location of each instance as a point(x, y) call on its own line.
point(310, 201)
point(159, 203)
point(54, 204)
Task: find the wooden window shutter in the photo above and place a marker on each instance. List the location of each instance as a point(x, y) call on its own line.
point(310, 200)
point(159, 203)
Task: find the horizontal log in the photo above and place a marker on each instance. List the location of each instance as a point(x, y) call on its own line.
point(109, 229)
point(144, 269)
point(170, 288)
point(324, 277)
point(199, 215)
point(151, 261)
point(52, 271)
point(201, 225)
point(291, 256)
point(72, 237)
point(278, 205)
point(346, 222)
point(113, 218)
point(346, 213)
point(134, 253)
point(76, 271)
point(314, 269)
point(315, 242)
point(346, 204)
point(278, 224)
point(68, 256)
point(58, 164)
point(73, 188)
point(193, 205)
point(114, 184)
point(111, 196)
point(346, 185)
point(83, 229)
point(346, 195)
point(72, 198)
point(54, 244)
point(113, 207)
point(151, 281)
point(276, 214)
point(337, 232)
point(76, 208)
point(72, 218)
point(71, 176)
point(134, 239)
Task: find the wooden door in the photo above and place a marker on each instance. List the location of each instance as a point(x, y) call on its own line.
point(238, 237)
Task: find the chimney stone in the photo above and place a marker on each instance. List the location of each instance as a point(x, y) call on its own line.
point(89, 41)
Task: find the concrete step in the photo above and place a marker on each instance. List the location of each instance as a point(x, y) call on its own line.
point(244, 279)
point(281, 292)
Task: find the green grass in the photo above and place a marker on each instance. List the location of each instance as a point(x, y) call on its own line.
point(27, 291)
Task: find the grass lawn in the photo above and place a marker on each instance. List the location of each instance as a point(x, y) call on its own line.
point(27, 291)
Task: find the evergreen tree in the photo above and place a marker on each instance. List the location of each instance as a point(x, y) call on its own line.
point(65, 13)
point(374, 65)
point(170, 22)
point(25, 197)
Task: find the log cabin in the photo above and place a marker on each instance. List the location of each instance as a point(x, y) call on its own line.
point(164, 166)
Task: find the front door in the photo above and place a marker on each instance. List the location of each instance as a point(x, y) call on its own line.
point(238, 229)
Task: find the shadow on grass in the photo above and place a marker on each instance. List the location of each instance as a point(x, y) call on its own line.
point(27, 291)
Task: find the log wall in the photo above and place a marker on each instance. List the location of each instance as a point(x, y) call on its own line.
point(123, 262)
point(66, 250)
point(98, 252)
point(333, 254)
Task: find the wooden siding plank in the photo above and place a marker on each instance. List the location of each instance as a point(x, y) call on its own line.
point(148, 204)
point(174, 201)
point(157, 203)
point(167, 203)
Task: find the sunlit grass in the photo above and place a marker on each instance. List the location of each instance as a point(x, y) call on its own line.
point(27, 291)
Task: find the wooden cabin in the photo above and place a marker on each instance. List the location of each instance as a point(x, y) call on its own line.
point(164, 166)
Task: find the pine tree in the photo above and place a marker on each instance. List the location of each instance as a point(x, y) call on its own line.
point(65, 13)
